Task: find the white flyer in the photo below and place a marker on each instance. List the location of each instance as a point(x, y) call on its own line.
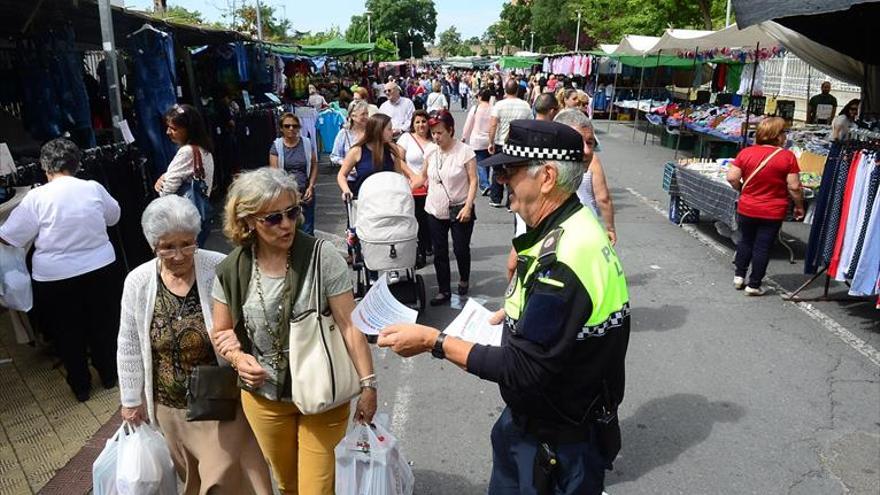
point(126, 132)
point(472, 325)
point(379, 309)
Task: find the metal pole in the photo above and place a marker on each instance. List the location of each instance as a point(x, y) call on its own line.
point(109, 44)
point(577, 37)
point(809, 89)
point(745, 136)
point(613, 94)
point(727, 17)
point(681, 122)
point(595, 87)
point(532, 43)
point(259, 21)
point(651, 103)
point(396, 46)
point(411, 51)
point(638, 100)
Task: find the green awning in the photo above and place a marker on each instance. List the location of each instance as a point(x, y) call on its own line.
point(338, 48)
point(650, 61)
point(517, 62)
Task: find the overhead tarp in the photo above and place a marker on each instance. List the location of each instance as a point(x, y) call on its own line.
point(19, 18)
point(517, 62)
point(634, 44)
point(338, 47)
point(608, 48)
point(674, 40)
point(846, 26)
point(650, 61)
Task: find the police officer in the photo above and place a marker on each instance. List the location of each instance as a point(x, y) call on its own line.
point(560, 366)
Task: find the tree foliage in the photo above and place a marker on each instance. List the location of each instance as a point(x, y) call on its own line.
point(274, 29)
point(414, 20)
point(319, 37)
point(180, 15)
point(450, 42)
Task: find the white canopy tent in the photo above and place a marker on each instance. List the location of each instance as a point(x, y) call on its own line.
point(731, 37)
point(634, 44)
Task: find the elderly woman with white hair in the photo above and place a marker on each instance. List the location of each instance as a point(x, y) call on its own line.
point(74, 268)
point(164, 334)
point(263, 285)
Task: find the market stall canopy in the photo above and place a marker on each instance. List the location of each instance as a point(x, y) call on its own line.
point(847, 26)
point(608, 49)
point(338, 47)
point(650, 61)
point(635, 44)
point(674, 40)
point(517, 62)
point(23, 18)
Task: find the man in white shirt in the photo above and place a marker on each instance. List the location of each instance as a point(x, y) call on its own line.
point(504, 112)
point(399, 108)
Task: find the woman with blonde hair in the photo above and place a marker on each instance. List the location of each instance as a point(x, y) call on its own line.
point(263, 285)
point(436, 100)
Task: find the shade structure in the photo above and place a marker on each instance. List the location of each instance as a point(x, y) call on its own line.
point(731, 37)
point(847, 26)
point(650, 61)
point(338, 47)
point(517, 62)
point(635, 44)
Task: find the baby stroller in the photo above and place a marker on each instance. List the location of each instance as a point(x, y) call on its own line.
point(384, 238)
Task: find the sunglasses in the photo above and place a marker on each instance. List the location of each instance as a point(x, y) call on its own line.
point(273, 219)
point(290, 126)
point(508, 169)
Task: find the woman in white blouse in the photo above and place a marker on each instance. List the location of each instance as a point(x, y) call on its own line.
point(436, 100)
point(451, 173)
point(164, 334)
point(75, 277)
point(186, 129)
point(414, 144)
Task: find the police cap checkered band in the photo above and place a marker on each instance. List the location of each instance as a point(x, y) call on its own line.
point(529, 153)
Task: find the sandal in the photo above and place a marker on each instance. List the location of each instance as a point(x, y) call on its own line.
point(441, 298)
point(463, 288)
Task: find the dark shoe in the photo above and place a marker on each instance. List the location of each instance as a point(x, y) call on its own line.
point(485, 191)
point(429, 252)
point(82, 396)
point(495, 204)
point(463, 288)
point(108, 384)
point(420, 261)
point(440, 299)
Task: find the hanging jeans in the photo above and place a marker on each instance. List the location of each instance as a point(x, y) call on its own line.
point(155, 84)
point(71, 89)
point(758, 236)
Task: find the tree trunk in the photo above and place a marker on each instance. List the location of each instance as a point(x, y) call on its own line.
point(159, 6)
point(706, 12)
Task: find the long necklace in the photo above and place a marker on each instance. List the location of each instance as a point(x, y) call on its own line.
point(272, 327)
point(179, 375)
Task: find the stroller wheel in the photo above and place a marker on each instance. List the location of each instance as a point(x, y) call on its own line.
point(420, 292)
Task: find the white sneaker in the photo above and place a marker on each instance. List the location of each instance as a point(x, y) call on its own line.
point(739, 283)
point(751, 291)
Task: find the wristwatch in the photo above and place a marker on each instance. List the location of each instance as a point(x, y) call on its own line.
point(437, 351)
point(370, 382)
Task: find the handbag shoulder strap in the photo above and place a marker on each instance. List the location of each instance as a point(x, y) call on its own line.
point(763, 164)
point(317, 276)
point(198, 166)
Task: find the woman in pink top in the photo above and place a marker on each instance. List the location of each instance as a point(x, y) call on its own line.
point(451, 174)
point(476, 134)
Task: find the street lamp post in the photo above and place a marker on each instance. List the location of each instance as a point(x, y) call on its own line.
point(259, 21)
point(522, 45)
point(411, 51)
point(577, 37)
point(370, 32)
point(532, 43)
point(396, 46)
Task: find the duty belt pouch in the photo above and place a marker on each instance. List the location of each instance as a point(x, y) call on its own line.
point(544, 469)
point(213, 394)
point(608, 438)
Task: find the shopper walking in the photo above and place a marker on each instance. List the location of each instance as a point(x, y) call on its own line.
point(436, 100)
point(263, 284)
point(414, 144)
point(476, 134)
point(75, 278)
point(374, 152)
point(845, 121)
point(164, 335)
point(504, 112)
point(464, 91)
point(294, 154)
point(451, 173)
point(766, 176)
point(399, 108)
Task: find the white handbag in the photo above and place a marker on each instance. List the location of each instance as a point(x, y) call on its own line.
point(321, 371)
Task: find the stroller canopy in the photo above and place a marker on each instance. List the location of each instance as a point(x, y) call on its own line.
point(385, 209)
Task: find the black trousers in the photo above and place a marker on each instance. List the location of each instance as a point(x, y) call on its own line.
point(461, 246)
point(81, 316)
point(758, 236)
point(424, 228)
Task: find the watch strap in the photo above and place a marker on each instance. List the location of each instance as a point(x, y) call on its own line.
point(437, 351)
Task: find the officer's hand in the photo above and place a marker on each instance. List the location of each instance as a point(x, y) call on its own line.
point(497, 318)
point(407, 339)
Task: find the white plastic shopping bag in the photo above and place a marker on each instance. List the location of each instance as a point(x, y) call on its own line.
point(369, 462)
point(15, 280)
point(104, 467)
point(144, 465)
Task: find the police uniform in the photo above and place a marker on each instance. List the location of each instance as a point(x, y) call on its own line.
point(560, 367)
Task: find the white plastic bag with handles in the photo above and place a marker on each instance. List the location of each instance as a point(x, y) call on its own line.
point(104, 467)
point(369, 462)
point(144, 465)
point(15, 279)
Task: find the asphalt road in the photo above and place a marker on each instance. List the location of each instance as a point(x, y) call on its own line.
point(725, 394)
